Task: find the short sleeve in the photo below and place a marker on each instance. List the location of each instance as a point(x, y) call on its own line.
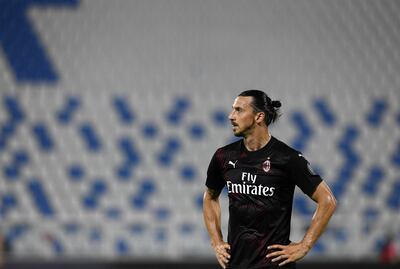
point(215, 179)
point(303, 175)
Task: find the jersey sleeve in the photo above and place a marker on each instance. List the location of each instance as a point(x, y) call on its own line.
point(215, 179)
point(303, 175)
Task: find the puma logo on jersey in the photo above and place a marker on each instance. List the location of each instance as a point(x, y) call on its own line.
point(232, 163)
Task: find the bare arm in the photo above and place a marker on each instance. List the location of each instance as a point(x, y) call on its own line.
point(326, 205)
point(212, 220)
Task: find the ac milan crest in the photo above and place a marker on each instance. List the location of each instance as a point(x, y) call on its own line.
point(266, 165)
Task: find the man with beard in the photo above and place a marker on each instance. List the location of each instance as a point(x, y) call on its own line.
point(260, 173)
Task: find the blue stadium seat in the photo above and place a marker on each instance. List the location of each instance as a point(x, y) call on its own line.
point(66, 113)
point(188, 173)
point(124, 172)
point(371, 215)
point(162, 214)
point(8, 202)
point(75, 172)
point(175, 115)
point(340, 235)
point(187, 228)
point(197, 131)
point(198, 201)
point(148, 187)
point(123, 110)
point(16, 231)
point(13, 107)
point(3, 143)
point(220, 118)
point(40, 197)
point(129, 151)
point(171, 148)
point(319, 247)
point(396, 156)
point(182, 104)
point(21, 157)
point(376, 175)
point(90, 137)
point(393, 200)
point(377, 112)
point(172, 145)
point(150, 130)
point(11, 172)
point(324, 112)
point(302, 206)
point(165, 159)
point(122, 247)
point(139, 202)
point(99, 187)
point(58, 247)
point(8, 129)
point(44, 140)
point(90, 202)
point(305, 131)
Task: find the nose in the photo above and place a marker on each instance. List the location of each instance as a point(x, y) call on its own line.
point(230, 117)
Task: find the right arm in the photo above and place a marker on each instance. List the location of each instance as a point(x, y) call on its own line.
point(212, 219)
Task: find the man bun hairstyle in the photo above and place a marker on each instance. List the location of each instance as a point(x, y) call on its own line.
point(262, 103)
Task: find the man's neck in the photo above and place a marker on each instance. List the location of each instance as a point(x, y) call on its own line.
point(257, 140)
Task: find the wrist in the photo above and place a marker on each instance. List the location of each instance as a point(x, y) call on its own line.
point(306, 245)
point(216, 242)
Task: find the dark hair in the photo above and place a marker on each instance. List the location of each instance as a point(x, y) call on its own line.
point(262, 103)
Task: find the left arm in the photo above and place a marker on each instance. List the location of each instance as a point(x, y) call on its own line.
point(326, 205)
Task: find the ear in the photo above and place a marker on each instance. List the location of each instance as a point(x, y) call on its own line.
point(260, 116)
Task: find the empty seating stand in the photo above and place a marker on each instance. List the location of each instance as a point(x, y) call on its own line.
point(110, 112)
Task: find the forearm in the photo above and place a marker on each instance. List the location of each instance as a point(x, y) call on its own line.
point(325, 209)
point(212, 218)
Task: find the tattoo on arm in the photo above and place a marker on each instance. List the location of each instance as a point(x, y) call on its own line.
point(214, 194)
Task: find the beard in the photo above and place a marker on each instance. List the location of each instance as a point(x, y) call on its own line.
point(242, 131)
point(238, 132)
